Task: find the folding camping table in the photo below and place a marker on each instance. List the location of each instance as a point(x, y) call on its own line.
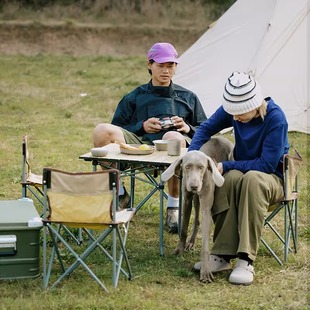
point(133, 166)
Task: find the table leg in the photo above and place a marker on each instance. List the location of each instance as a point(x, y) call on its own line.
point(95, 164)
point(161, 216)
point(132, 189)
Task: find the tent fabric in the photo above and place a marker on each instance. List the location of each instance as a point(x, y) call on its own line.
point(267, 38)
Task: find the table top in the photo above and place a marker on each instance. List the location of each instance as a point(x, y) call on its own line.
point(157, 158)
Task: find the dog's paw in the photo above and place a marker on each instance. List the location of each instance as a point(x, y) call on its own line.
point(190, 246)
point(207, 277)
point(179, 251)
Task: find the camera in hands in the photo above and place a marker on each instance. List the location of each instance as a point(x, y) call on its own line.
point(166, 123)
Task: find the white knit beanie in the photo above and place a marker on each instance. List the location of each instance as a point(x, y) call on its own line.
point(242, 94)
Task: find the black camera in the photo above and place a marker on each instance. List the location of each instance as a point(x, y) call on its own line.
point(166, 123)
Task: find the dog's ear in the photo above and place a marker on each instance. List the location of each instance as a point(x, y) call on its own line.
point(216, 176)
point(170, 171)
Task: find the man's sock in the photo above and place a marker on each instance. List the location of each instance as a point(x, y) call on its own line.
point(172, 202)
point(121, 190)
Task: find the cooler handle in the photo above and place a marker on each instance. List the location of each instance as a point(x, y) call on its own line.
point(8, 245)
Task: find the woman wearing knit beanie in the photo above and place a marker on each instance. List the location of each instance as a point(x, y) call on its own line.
point(253, 181)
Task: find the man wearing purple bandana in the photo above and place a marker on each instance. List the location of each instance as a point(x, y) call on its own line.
point(138, 117)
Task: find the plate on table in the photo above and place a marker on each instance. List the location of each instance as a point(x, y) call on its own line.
point(137, 151)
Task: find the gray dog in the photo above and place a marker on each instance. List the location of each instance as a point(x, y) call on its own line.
point(200, 176)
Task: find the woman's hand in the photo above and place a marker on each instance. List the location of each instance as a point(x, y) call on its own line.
point(220, 168)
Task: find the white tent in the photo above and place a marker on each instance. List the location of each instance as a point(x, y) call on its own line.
point(268, 38)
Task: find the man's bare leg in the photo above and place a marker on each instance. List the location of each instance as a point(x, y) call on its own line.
point(104, 134)
point(172, 216)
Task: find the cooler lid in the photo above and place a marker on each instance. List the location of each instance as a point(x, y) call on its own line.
point(17, 212)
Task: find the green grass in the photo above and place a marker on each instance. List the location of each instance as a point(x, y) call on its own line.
point(41, 96)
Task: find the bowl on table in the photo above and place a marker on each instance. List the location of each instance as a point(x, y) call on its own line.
point(99, 151)
point(161, 145)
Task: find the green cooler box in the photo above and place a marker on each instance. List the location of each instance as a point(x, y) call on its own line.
point(20, 227)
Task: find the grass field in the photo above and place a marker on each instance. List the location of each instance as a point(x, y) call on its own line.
point(58, 100)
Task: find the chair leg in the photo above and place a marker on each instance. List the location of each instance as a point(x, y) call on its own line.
point(48, 269)
point(268, 223)
point(290, 229)
point(272, 252)
point(114, 257)
point(296, 225)
point(24, 191)
point(123, 253)
point(108, 255)
point(117, 262)
point(45, 282)
point(78, 239)
point(286, 232)
point(290, 212)
point(79, 259)
point(38, 194)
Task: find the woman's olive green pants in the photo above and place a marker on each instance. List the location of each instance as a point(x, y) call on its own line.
point(239, 209)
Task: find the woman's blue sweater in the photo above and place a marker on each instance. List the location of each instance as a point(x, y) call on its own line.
point(259, 144)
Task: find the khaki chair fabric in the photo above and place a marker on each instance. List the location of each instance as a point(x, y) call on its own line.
point(30, 182)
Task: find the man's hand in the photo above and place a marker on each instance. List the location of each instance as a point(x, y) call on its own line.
point(180, 125)
point(152, 125)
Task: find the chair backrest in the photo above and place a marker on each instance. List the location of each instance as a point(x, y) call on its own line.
point(291, 166)
point(84, 197)
point(25, 164)
point(27, 176)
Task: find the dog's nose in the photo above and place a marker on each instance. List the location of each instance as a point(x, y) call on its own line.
point(194, 188)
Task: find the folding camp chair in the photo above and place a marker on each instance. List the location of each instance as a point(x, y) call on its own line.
point(88, 201)
point(289, 204)
point(30, 182)
point(34, 184)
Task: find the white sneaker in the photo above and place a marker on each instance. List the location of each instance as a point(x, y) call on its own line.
point(172, 219)
point(217, 264)
point(243, 273)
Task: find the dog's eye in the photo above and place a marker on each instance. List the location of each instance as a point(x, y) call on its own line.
point(201, 167)
point(187, 167)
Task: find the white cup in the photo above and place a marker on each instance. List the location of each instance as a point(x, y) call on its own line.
point(174, 147)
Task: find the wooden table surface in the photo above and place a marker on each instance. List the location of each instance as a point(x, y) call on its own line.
point(157, 158)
